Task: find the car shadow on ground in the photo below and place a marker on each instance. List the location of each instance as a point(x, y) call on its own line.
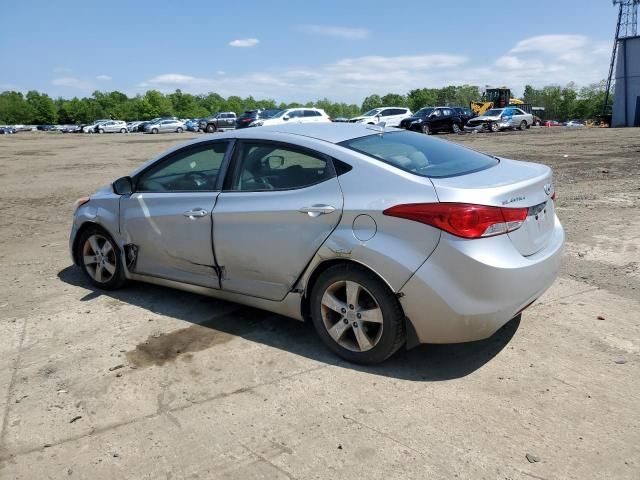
point(423, 363)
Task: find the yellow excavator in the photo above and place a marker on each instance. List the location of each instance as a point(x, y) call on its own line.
point(496, 98)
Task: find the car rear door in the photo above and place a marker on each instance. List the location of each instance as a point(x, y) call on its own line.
point(168, 218)
point(279, 205)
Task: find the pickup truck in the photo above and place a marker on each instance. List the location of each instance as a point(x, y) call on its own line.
point(218, 122)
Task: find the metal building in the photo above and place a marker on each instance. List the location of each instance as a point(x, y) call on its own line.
point(626, 104)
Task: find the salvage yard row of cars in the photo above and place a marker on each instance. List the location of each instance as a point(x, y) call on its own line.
point(427, 120)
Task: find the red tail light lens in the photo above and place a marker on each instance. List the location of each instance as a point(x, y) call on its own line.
point(464, 220)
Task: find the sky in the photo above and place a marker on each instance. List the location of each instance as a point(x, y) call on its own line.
point(301, 50)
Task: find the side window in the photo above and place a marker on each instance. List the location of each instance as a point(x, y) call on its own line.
point(386, 112)
point(191, 170)
point(311, 113)
point(295, 113)
point(263, 166)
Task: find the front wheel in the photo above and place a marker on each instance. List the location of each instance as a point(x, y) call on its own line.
point(100, 130)
point(123, 130)
point(100, 259)
point(356, 314)
point(455, 128)
point(425, 129)
point(179, 130)
point(211, 128)
point(523, 125)
point(494, 127)
point(154, 130)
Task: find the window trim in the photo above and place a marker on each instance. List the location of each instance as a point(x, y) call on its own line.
point(170, 156)
point(233, 168)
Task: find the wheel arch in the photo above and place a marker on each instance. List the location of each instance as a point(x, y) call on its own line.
point(317, 270)
point(83, 228)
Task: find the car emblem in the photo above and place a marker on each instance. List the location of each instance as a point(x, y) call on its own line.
point(547, 188)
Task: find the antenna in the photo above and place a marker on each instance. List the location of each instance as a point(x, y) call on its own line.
point(627, 27)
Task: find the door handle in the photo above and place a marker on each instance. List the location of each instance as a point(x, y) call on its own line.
point(317, 210)
point(196, 213)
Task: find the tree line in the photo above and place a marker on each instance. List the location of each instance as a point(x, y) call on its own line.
point(37, 108)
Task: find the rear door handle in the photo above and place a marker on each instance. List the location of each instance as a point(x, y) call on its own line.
point(196, 213)
point(317, 210)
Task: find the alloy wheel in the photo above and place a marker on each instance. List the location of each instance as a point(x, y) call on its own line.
point(352, 316)
point(99, 258)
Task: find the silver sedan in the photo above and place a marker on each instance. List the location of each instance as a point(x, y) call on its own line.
point(382, 238)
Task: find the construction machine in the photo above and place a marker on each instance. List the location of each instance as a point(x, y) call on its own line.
point(497, 98)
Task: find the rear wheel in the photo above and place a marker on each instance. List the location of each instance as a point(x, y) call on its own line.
point(100, 130)
point(523, 125)
point(211, 128)
point(455, 128)
point(356, 315)
point(100, 259)
point(494, 127)
point(154, 130)
point(123, 130)
point(179, 130)
point(426, 129)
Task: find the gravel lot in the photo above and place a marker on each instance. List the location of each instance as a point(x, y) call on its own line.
point(153, 383)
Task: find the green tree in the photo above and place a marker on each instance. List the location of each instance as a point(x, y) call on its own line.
point(394, 100)
point(372, 101)
point(44, 109)
point(14, 109)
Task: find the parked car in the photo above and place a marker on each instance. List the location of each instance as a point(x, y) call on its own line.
point(574, 124)
point(497, 119)
point(91, 128)
point(70, 128)
point(133, 126)
point(340, 119)
point(165, 126)
point(193, 125)
point(392, 116)
point(436, 119)
point(250, 116)
point(46, 128)
point(112, 126)
point(379, 240)
point(143, 125)
point(219, 122)
point(294, 115)
point(7, 130)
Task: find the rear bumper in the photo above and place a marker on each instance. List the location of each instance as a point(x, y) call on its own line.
point(468, 289)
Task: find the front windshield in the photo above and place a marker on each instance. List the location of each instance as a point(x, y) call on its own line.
point(421, 154)
point(494, 112)
point(372, 113)
point(423, 112)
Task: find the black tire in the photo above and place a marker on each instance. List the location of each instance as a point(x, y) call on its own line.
point(523, 125)
point(425, 129)
point(392, 336)
point(154, 130)
point(118, 278)
point(211, 128)
point(455, 128)
point(494, 127)
point(100, 130)
point(179, 130)
point(123, 130)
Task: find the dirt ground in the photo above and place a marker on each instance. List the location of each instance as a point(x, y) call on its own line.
point(153, 383)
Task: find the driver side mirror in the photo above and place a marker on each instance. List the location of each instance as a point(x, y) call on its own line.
point(285, 118)
point(123, 186)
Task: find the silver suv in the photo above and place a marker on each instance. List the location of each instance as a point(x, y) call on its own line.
point(112, 126)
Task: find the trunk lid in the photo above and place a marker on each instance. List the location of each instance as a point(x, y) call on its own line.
point(509, 184)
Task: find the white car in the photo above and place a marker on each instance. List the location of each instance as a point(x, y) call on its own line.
point(92, 128)
point(392, 116)
point(294, 115)
point(112, 126)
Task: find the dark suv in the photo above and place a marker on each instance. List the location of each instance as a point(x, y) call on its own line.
point(437, 119)
point(250, 116)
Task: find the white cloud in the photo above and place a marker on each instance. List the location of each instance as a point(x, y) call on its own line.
point(531, 61)
point(340, 32)
point(244, 42)
point(550, 43)
point(71, 82)
point(103, 78)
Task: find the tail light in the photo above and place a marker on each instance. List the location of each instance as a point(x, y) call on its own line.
point(464, 220)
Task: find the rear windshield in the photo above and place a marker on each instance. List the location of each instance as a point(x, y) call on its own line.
point(421, 154)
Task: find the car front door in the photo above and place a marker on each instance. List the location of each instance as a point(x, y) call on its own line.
point(279, 205)
point(168, 221)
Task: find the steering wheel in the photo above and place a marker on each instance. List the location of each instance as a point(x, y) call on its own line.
point(265, 183)
point(198, 178)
